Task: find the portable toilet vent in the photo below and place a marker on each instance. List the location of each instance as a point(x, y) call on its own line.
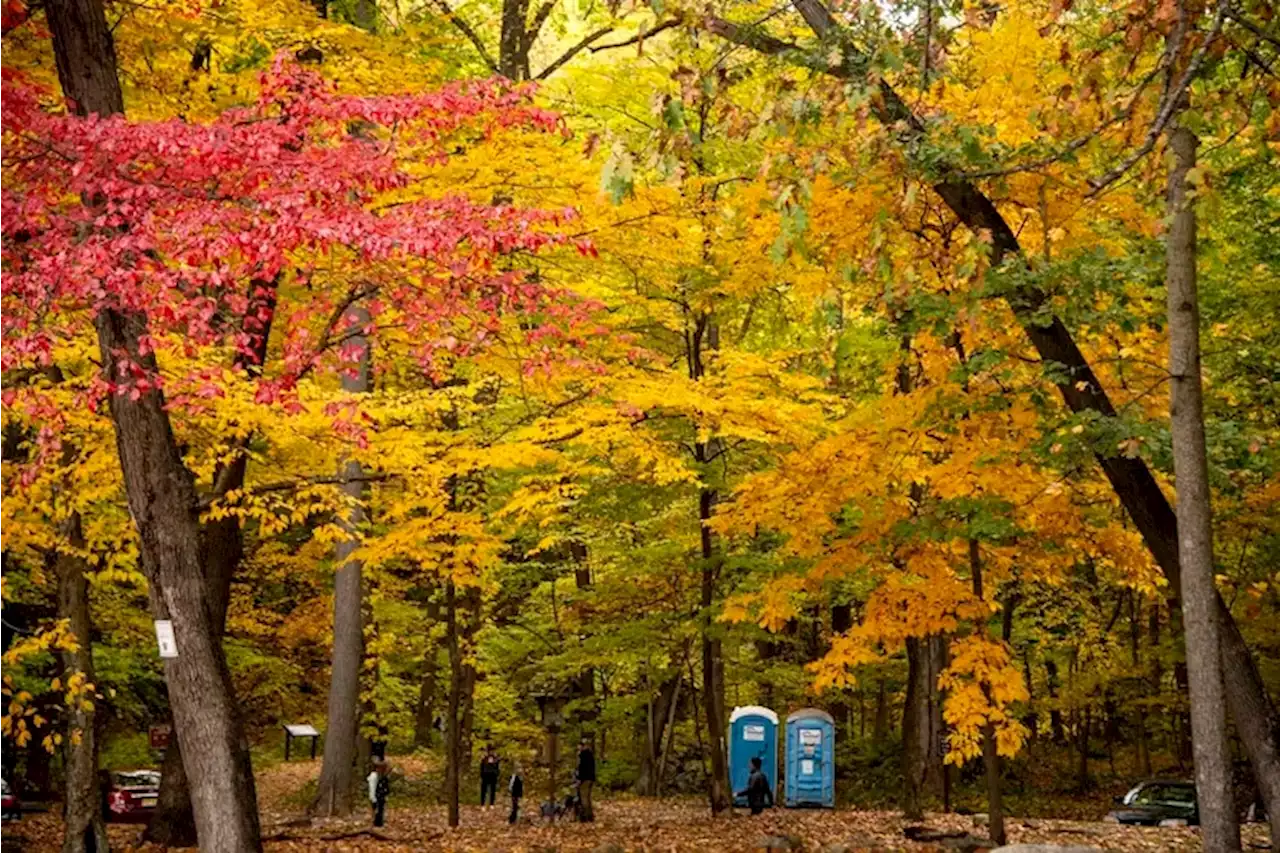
point(753, 733)
point(811, 759)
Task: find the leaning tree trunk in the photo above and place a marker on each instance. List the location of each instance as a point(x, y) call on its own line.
point(163, 502)
point(334, 793)
point(1218, 823)
point(84, 830)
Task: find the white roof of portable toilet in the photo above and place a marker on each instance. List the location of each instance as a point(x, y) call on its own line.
point(753, 711)
point(810, 714)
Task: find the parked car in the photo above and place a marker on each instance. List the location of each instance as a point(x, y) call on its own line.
point(131, 795)
point(12, 806)
point(1158, 802)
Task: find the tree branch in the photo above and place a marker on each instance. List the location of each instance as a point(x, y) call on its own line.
point(642, 36)
point(1167, 108)
point(574, 51)
point(465, 28)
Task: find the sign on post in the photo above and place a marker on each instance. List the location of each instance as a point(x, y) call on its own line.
point(165, 639)
point(160, 736)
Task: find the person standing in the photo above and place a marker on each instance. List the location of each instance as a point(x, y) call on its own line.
point(490, 767)
point(586, 775)
point(379, 780)
point(516, 788)
point(758, 791)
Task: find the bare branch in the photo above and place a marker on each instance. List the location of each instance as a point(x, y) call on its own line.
point(466, 29)
point(1169, 106)
point(569, 54)
point(643, 36)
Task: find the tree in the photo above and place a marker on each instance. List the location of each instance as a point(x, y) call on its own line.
point(1195, 520)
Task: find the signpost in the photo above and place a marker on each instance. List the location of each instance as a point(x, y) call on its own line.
point(159, 736)
point(299, 731)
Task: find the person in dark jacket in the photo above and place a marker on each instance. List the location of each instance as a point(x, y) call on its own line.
point(516, 788)
point(379, 782)
point(586, 776)
point(490, 767)
point(759, 791)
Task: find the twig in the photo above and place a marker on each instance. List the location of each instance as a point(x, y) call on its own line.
point(574, 51)
point(1170, 105)
point(642, 36)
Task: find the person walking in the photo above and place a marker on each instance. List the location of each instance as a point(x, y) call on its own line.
point(516, 788)
point(586, 776)
point(490, 770)
point(379, 780)
point(758, 791)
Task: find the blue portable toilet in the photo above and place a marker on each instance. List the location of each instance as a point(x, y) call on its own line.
point(811, 759)
point(753, 733)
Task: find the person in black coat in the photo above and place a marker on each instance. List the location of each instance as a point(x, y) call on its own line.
point(586, 776)
point(516, 788)
point(490, 770)
point(759, 791)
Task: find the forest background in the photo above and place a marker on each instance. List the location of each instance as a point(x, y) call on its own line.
point(716, 368)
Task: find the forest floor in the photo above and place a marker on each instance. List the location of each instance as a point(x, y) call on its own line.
point(622, 824)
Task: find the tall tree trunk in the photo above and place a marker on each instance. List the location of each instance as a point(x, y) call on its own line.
point(453, 729)
point(1130, 478)
point(424, 715)
point(660, 712)
point(712, 677)
point(162, 499)
point(338, 777)
point(173, 823)
point(916, 740)
point(1201, 625)
point(990, 753)
point(881, 731)
point(1056, 728)
point(472, 602)
point(84, 830)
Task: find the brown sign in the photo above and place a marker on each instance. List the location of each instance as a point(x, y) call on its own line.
point(160, 736)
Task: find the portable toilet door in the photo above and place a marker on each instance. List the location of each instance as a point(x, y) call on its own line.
point(811, 759)
point(753, 733)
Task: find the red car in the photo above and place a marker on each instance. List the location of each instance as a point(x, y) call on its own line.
point(12, 807)
point(132, 795)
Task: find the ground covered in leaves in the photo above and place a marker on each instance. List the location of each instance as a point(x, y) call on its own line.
point(623, 824)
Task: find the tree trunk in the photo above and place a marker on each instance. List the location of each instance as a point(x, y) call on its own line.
point(338, 777)
point(881, 731)
point(84, 829)
point(672, 707)
point(472, 602)
point(1082, 749)
point(1056, 729)
point(990, 753)
point(162, 498)
point(660, 711)
point(513, 52)
point(1201, 624)
point(173, 823)
point(915, 728)
point(424, 715)
point(453, 729)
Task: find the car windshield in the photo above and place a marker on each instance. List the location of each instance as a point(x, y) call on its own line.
point(137, 779)
point(1168, 795)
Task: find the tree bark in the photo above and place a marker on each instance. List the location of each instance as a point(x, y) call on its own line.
point(84, 829)
point(162, 498)
point(338, 779)
point(173, 824)
point(453, 729)
point(706, 336)
point(424, 715)
point(990, 753)
point(1201, 625)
